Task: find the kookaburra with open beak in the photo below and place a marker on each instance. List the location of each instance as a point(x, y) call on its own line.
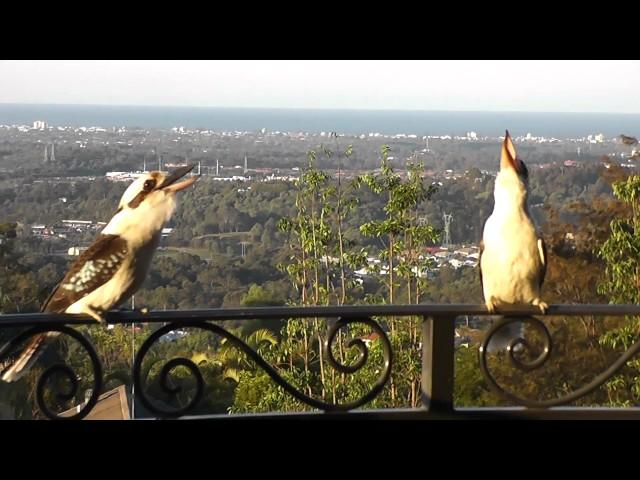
point(110, 271)
point(513, 257)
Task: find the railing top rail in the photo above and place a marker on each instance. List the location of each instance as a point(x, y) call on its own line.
point(345, 311)
point(438, 356)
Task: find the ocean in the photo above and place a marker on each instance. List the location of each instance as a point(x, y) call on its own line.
point(389, 122)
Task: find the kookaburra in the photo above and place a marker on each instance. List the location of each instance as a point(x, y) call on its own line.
point(116, 264)
point(513, 257)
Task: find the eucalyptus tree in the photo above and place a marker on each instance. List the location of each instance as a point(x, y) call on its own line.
point(621, 254)
point(403, 235)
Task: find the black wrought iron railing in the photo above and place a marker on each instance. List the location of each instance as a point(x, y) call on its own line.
point(437, 344)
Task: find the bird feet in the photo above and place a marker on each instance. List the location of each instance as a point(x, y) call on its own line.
point(491, 305)
point(541, 305)
point(97, 314)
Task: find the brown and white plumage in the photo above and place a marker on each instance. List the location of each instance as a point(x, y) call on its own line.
point(513, 257)
point(117, 262)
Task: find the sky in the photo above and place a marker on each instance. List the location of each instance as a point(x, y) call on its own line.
point(476, 85)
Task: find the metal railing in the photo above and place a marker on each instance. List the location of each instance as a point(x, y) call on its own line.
point(437, 377)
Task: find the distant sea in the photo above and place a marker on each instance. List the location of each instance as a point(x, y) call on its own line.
point(390, 122)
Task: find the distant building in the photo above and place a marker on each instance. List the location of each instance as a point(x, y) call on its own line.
point(174, 165)
point(121, 176)
point(455, 263)
point(283, 178)
point(234, 178)
point(370, 338)
point(77, 223)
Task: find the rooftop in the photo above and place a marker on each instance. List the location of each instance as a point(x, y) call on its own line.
point(112, 405)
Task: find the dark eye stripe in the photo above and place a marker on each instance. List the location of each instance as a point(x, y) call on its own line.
point(138, 199)
point(146, 189)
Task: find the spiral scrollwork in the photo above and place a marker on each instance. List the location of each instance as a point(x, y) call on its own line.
point(64, 370)
point(358, 343)
point(354, 342)
point(514, 354)
point(271, 371)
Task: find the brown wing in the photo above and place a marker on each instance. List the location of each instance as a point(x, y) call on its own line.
point(480, 264)
point(92, 269)
point(542, 249)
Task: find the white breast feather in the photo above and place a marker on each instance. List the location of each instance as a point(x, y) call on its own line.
point(511, 260)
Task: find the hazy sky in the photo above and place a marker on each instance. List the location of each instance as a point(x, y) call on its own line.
point(551, 86)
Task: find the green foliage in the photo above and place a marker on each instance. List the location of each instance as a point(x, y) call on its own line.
point(259, 296)
point(319, 231)
point(321, 257)
point(621, 254)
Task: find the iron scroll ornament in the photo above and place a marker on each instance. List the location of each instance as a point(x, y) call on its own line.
point(63, 369)
point(271, 371)
point(540, 360)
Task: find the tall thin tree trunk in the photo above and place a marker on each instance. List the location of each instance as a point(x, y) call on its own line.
point(322, 378)
point(304, 275)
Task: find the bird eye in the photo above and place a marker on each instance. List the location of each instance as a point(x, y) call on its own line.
point(149, 184)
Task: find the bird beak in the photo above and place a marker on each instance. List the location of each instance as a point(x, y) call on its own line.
point(170, 184)
point(509, 158)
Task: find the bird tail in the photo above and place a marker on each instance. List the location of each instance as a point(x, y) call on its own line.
point(18, 367)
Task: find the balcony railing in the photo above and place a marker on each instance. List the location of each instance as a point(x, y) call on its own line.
point(437, 377)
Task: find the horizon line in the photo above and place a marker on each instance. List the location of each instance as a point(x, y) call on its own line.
point(204, 107)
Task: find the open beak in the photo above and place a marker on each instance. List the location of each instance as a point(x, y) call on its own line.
point(171, 183)
point(509, 158)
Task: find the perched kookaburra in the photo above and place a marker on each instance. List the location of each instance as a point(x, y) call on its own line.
point(116, 264)
point(513, 257)
point(628, 140)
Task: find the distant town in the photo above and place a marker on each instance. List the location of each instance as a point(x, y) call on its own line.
point(166, 149)
point(217, 157)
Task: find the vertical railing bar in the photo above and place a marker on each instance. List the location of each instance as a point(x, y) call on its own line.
point(437, 363)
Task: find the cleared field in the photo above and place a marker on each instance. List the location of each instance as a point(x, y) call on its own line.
point(222, 235)
point(200, 252)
